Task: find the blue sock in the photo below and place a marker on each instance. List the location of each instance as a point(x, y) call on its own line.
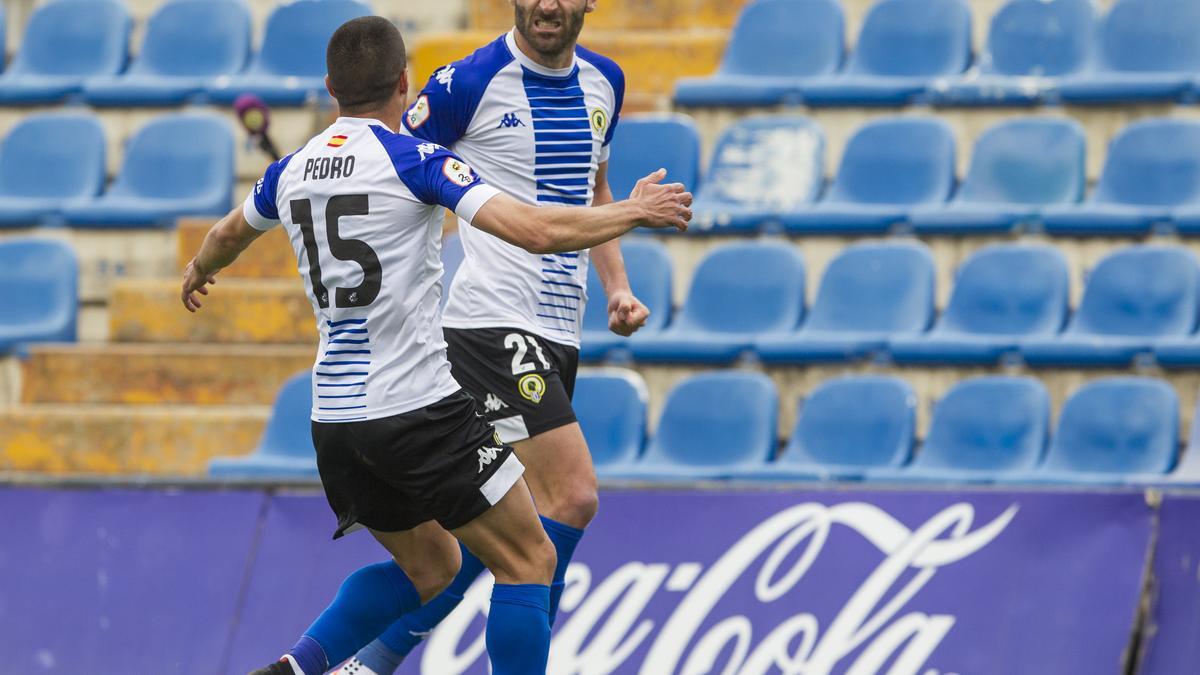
point(565, 538)
point(518, 629)
point(369, 600)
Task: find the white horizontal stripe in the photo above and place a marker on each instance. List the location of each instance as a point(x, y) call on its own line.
point(502, 481)
point(511, 429)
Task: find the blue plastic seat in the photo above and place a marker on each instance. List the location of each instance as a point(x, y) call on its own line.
point(188, 44)
point(890, 167)
point(286, 449)
point(1115, 430)
point(985, 429)
point(177, 165)
point(764, 170)
point(611, 406)
point(290, 66)
point(845, 428)
point(870, 293)
point(39, 300)
point(1152, 169)
point(1145, 52)
point(1187, 472)
point(648, 266)
point(1003, 294)
point(46, 160)
point(713, 425)
point(1018, 168)
point(1031, 45)
point(774, 47)
point(1135, 297)
point(738, 292)
point(649, 142)
point(904, 46)
point(66, 42)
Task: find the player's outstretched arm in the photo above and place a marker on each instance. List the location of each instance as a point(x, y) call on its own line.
point(222, 245)
point(561, 229)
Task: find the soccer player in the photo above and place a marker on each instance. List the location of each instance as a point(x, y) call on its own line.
point(400, 447)
point(534, 113)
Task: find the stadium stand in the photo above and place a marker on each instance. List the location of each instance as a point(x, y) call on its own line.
point(286, 448)
point(869, 294)
point(890, 166)
point(1188, 470)
point(764, 171)
point(1152, 167)
point(712, 425)
point(845, 428)
point(1133, 297)
point(1031, 46)
point(178, 165)
point(648, 142)
point(991, 309)
point(738, 292)
point(1007, 185)
point(65, 43)
point(774, 48)
point(903, 47)
point(48, 160)
point(40, 298)
point(648, 266)
point(611, 406)
point(188, 43)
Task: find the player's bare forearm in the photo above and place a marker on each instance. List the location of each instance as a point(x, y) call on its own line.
point(606, 257)
point(222, 245)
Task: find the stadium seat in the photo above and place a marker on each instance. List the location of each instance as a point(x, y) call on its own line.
point(47, 160)
point(870, 293)
point(774, 47)
point(648, 266)
point(1143, 54)
point(1115, 430)
point(66, 42)
point(286, 449)
point(177, 165)
point(984, 429)
point(1188, 470)
point(611, 406)
point(738, 292)
point(1017, 169)
point(904, 46)
point(40, 278)
point(712, 425)
point(1133, 298)
point(290, 66)
point(1152, 168)
point(188, 44)
point(846, 427)
point(890, 167)
point(764, 170)
point(648, 142)
point(1002, 294)
point(1031, 45)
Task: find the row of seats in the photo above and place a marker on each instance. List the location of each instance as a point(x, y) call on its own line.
point(1010, 303)
point(192, 48)
point(1038, 51)
point(723, 425)
point(52, 170)
point(767, 174)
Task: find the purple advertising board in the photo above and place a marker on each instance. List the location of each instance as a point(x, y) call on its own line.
point(1172, 644)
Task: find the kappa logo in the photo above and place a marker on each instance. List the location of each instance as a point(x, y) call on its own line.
point(510, 120)
point(427, 149)
point(445, 76)
point(492, 403)
point(487, 456)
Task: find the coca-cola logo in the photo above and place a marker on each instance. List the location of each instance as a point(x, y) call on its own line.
point(606, 624)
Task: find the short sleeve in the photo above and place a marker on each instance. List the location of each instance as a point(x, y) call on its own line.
point(435, 175)
point(260, 209)
point(437, 115)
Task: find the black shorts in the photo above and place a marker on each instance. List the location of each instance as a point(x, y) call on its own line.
point(443, 462)
point(523, 382)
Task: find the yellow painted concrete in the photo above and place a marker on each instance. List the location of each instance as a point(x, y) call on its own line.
point(269, 257)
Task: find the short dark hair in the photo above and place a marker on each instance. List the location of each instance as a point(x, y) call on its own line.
point(365, 59)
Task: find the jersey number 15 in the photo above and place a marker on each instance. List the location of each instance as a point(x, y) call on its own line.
point(349, 250)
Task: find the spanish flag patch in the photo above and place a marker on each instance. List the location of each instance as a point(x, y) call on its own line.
point(337, 141)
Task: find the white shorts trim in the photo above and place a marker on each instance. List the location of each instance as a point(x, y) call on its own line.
point(511, 429)
point(502, 481)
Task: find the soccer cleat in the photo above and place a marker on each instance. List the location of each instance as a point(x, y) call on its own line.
point(354, 667)
point(284, 666)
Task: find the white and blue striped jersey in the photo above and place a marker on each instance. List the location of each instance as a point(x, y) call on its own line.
point(538, 134)
point(363, 209)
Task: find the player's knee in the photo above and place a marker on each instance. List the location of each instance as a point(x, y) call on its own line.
point(543, 560)
point(532, 563)
point(433, 575)
point(579, 507)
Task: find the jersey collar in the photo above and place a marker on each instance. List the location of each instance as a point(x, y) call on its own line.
point(511, 41)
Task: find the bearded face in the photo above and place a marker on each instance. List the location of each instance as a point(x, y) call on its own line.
point(551, 26)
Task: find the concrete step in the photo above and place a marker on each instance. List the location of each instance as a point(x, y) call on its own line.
point(62, 439)
point(269, 257)
point(236, 311)
point(160, 374)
